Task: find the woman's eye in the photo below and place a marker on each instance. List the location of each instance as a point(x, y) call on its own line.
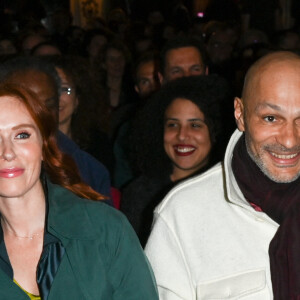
point(196, 125)
point(23, 135)
point(170, 125)
point(269, 119)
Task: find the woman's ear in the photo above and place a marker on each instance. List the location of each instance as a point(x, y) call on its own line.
point(239, 113)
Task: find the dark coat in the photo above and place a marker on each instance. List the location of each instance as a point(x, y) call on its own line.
point(140, 198)
point(91, 170)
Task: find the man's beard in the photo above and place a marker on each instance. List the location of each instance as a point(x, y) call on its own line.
point(258, 159)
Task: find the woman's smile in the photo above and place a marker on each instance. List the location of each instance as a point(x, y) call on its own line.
point(184, 150)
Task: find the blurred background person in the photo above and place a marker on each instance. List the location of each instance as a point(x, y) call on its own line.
point(146, 75)
point(80, 108)
point(29, 37)
point(146, 83)
point(46, 49)
point(7, 46)
point(116, 78)
point(181, 57)
point(220, 40)
point(94, 42)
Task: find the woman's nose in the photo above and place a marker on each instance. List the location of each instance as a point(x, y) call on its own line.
point(7, 151)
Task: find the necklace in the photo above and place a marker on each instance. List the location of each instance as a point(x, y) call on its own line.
point(26, 237)
point(31, 237)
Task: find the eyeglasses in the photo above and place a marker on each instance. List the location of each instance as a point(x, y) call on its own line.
point(67, 90)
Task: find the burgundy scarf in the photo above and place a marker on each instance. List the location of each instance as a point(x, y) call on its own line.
point(280, 201)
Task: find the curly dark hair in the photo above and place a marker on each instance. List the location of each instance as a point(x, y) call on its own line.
point(207, 92)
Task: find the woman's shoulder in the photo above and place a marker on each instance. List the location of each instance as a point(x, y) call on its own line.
point(73, 216)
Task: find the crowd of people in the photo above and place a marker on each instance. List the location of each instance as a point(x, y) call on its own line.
point(113, 67)
point(189, 128)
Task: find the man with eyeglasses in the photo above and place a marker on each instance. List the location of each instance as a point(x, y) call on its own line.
point(68, 102)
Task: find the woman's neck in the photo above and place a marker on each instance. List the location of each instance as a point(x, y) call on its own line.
point(65, 128)
point(24, 216)
point(179, 173)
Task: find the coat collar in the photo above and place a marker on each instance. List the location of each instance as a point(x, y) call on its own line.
point(234, 193)
point(68, 216)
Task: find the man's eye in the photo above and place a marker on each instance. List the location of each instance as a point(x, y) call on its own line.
point(170, 125)
point(23, 135)
point(175, 71)
point(144, 82)
point(196, 68)
point(269, 119)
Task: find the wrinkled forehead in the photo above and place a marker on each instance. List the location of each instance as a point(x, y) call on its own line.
point(146, 68)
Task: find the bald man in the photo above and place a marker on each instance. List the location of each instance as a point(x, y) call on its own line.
point(234, 232)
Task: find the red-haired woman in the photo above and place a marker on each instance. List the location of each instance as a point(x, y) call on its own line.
point(54, 243)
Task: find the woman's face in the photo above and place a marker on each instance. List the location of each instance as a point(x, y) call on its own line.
point(186, 137)
point(20, 150)
point(115, 62)
point(68, 100)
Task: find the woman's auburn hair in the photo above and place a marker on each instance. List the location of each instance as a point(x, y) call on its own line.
point(60, 167)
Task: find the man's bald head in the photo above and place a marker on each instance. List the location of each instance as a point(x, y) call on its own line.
point(269, 64)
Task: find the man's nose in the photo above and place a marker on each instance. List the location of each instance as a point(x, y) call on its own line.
point(289, 135)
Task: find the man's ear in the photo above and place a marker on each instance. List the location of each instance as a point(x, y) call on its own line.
point(239, 113)
point(206, 70)
point(160, 77)
point(136, 88)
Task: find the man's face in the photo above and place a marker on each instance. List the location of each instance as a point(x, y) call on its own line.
point(219, 47)
point(146, 78)
point(41, 84)
point(270, 116)
point(115, 63)
point(186, 61)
